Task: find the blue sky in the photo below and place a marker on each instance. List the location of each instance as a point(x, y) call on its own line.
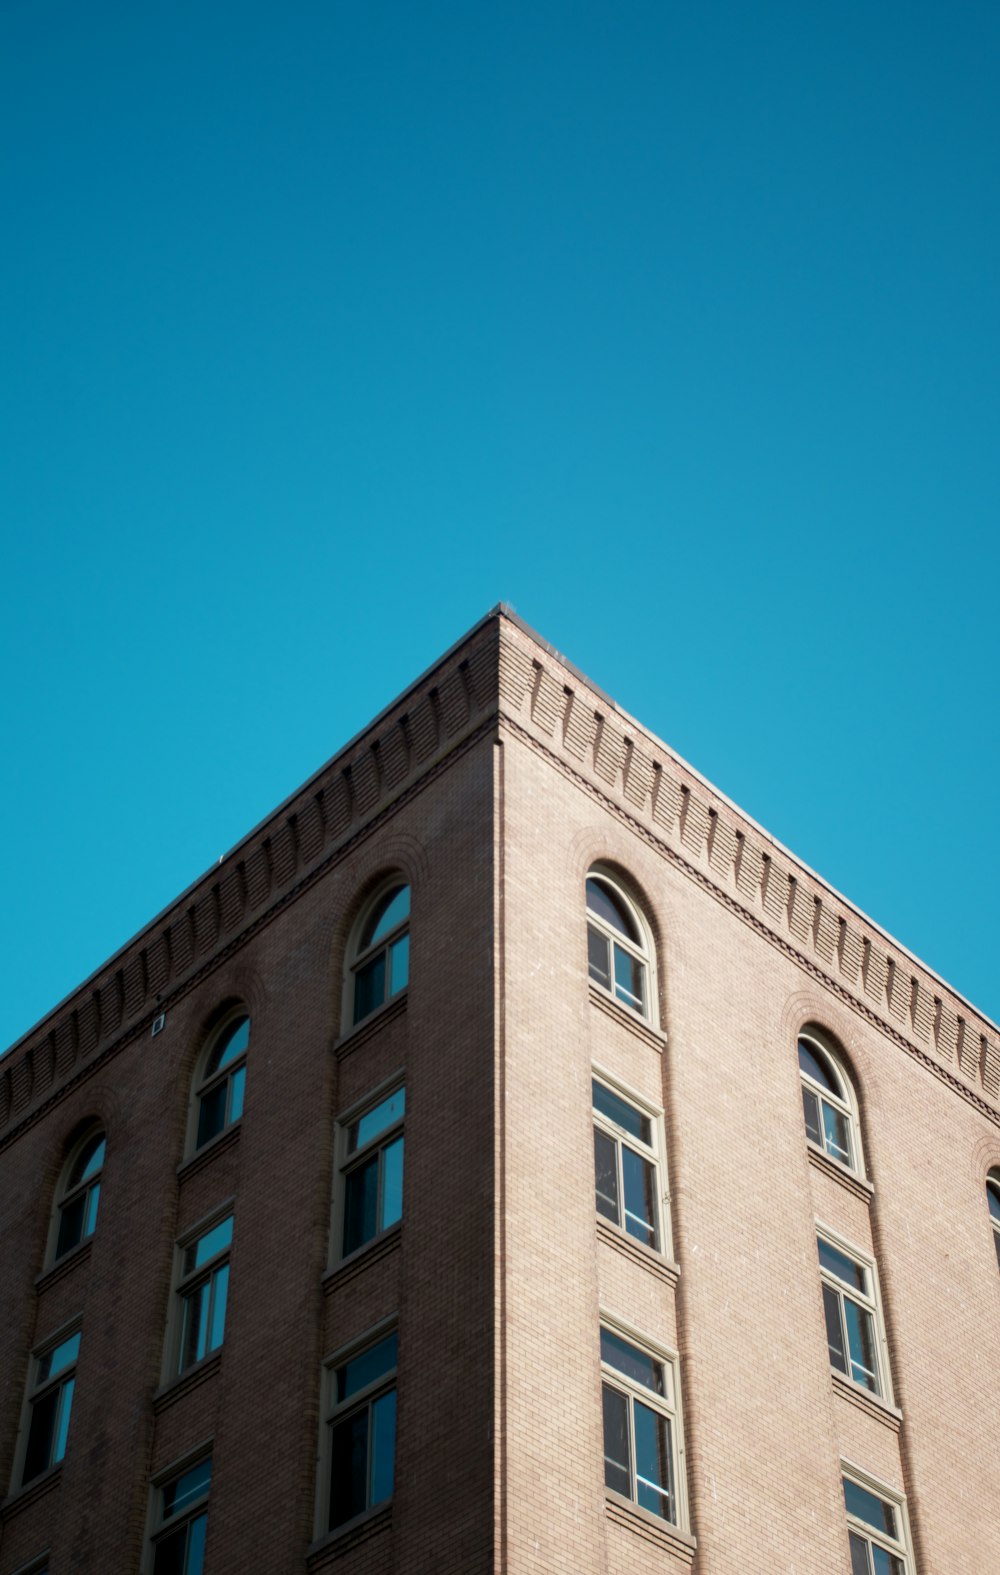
point(326, 326)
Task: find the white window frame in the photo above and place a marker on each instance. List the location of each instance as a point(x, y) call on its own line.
point(846, 1105)
point(643, 953)
point(993, 1191)
point(66, 1196)
point(332, 1411)
point(655, 1154)
point(204, 1085)
point(36, 1390)
point(870, 1302)
point(185, 1282)
point(156, 1527)
point(668, 1406)
point(358, 958)
point(347, 1162)
point(902, 1547)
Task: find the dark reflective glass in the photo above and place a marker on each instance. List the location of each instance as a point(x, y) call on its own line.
point(816, 1066)
point(63, 1410)
point(887, 1563)
point(185, 1488)
point(168, 1558)
point(836, 1140)
point(217, 1320)
point(71, 1223)
point(845, 1268)
point(399, 965)
point(630, 979)
point(391, 1208)
point(598, 957)
point(617, 1468)
point(215, 1240)
point(361, 1205)
point(369, 987)
point(348, 1468)
point(212, 1114)
point(653, 1475)
point(89, 1160)
point(993, 1198)
point(859, 1555)
point(194, 1335)
point(236, 1083)
point(59, 1358)
point(867, 1506)
point(621, 1113)
point(389, 911)
point(41, 1432)
point(382, 1116)
point(834, 1331)
point(996, 1243)
point(233, 1042)
point(383, 1446)
point(196, 1546)
point(366, 1367)
point(606, 1176)
point(810, 1107)
point(602, 901)
point(635, 1364)
point(640, 1197)
point(861, 1341)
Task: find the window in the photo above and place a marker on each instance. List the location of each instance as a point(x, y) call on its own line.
point(993, 1200)
point(877, 1530)
point(181, 1522)
point(381, 967)
point(625, 1165)
point(80, 1194)
point(850, 1307)
point(616, 948)
point(639, 1442)
point(220, 1089)
point(202, 1293)
point(50, 1402)
point(830, 1120)
point(373, 1170)
point(361, 1423)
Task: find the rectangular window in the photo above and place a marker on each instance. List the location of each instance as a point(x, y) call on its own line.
point(640, 1446)
point(202, 1292)
point(50, 1401)
point(361, 1424)
point(181, 1521)
point(877, 1530)
point(372, 1170)
point(625, 1165)
point(850, 1307)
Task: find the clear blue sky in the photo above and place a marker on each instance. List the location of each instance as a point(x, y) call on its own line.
point(325, 326)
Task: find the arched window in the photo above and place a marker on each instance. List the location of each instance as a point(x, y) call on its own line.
point(381, 966)
point(80, 1193)
point(993, 1200)
point(827, 1103)
point(617, 950)
point(220, 1088)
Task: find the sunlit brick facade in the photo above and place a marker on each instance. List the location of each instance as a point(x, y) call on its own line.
point(507, 930)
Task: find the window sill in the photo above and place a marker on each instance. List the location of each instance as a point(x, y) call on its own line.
point(335, 1544)
point(66, 1264)
point(362, 1258)
point(660, 1532)
point(26, 1496)
point(873, 1405)
point(192, 1378)
point(361, 1032)
point(653, 1262)
point(629, 1019)
point(224, 1140)
point(850, 1179)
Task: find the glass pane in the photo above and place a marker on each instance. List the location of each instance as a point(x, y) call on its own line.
point(835, 1132)
point(215, 1240)
point(816, 1067)
point(886, 1563)
point(383, 1446)
point(640, 1196)
point(392, 1183)
point(630, 979)
point(859, 1555)
point(348, 1467)
point(93, 1199)
point(810, 1109)
point(89, 1160)
point(361, 1205)
point(996, 1243)
point(58, 1359)
point(366, 1367)
point(834, 1331)
point(369, 987)
point(185, 1488)
point(866, 1506)
point(654, 1487)
point(194, 1333)
point(196, 1545)
point(232, 1043)
point(861, 1340)
point(390, 910)
point(602, 901)
point(62, 1418)
point(236, 1083)
point(635, 1364)
point(379, 1119)
point(598, 957)
point(845, 1268)
point(606, 1176)
point(617, 1471)
point(993, 1199)
point(622, 1113)
point(211, 1114)
point(169, 1556)
point(220, 1291)
point(399, 965)
point(71, 1222)
point(41, 1430)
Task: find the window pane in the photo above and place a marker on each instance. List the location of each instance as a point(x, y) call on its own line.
point(220, 1291)
point(59, 1358)
point(993, 1199)
point(622, 1113)
point(391, 910)
point(617, 1471)
point(815, 1066)
point(810, 1108)
point(861, 1339)
point(606, 1176)
point(169, 1556)
point(834, 1331)
point(185, 1488)
point(71, 1222)
point(369, 987)
point(887, 1563)
point(196, 1545)
point(630, 979)
point(232, 1044)
point(866, 1506)
point(635, 1364)
point(236, 1083)
point(93, 1199)
point(366, 1367)
point(215, 1240)
point(599, 957)
point(835, 1133)
point(845, 1268)
point(348, 1467)
point(41, 1431)
point(640, 1196)
point(62, 1418)
point(194, 1335)
point(392, 1183)
point(399, 964)
point(361, 1204)
point(383, 1446)
point(996, 1243)
point(211, 1114)
point(384, 1115)
point(600, 900)
point(90, 1160)
point(859, 1555)
point(654, 1487)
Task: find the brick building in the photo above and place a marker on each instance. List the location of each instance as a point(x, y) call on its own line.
point(694, 1259)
